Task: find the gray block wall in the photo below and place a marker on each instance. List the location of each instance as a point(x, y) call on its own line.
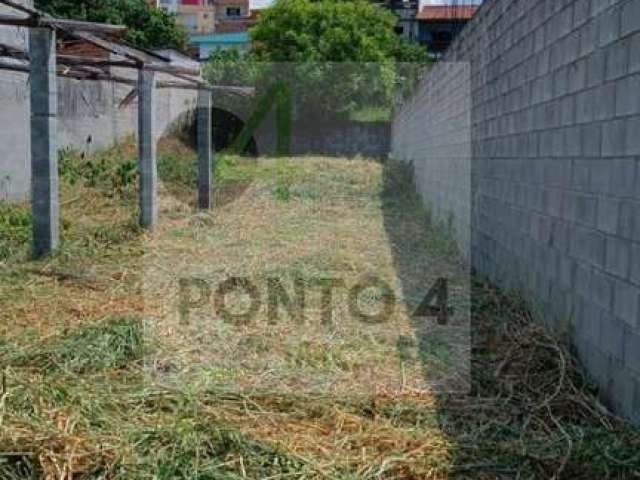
point(433, 131)
point(338, 138)
point(554, 168)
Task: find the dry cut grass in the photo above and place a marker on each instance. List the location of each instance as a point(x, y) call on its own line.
point(119, 365)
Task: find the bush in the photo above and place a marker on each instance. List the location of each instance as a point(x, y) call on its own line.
point(15, 229)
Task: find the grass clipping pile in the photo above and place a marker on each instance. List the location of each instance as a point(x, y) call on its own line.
point(76, 401)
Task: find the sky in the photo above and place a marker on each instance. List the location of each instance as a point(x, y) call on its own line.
point(259, 3)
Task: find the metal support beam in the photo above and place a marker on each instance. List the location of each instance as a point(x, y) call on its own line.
point(147, 165)
point(205, 150)
point(44, 149)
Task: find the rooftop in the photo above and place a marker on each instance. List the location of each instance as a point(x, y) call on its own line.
point(447, 12)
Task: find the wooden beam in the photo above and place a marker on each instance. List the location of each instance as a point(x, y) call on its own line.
point(143, 60)
point(81, 30)
point(20, 7)
point(77, 25)
point(197, 81)
point(15, 21)
point(75, 60)
point(60, 23)
point(176, 70)
point(42, 19)
point(178, 85)
point(112, 47)
point(23, 67)
point(87, 73)
point(101, 62)
point(14, 66)
point(244, 91)
point(151, 53)
point(13, 52)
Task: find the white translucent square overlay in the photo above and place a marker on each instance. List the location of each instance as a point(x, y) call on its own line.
point(185, 277)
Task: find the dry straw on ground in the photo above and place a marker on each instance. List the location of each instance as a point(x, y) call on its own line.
point(100, 383)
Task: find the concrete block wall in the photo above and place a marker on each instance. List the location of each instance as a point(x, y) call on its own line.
point(554, 166)
point(434, 132)
point(339, 138)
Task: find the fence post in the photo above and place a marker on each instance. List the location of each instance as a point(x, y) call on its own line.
point(205, 173)
point(147, 162)
point(44, 149)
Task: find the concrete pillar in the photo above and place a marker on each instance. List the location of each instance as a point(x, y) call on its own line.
point(44, 149)
point(205, 150)
point(147, 161)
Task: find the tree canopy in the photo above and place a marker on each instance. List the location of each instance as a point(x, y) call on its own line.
point(149, 27)
point(338, 57)
point(330, 31)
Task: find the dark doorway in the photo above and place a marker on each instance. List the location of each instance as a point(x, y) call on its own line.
point(226, 128)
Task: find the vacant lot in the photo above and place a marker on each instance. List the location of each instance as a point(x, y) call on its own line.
point(119, 361)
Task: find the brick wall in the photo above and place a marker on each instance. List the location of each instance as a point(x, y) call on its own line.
point(553, 167)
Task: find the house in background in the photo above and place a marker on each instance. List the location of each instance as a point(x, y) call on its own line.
point(438, 25)
point(202, 16)
point(234, 19)
point(231, 31)
point(229, 10)
point(406, 11)
point(212, 24)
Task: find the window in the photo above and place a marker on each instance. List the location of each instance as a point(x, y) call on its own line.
point(233, 11)
point(190, 21)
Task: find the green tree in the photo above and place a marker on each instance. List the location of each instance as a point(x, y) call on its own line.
point(330, 31)
point(231, 67)
point(339, 58)
point(342, 57)
point(149, 27)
